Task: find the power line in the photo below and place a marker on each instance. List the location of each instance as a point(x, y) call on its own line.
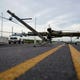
point(9, 20)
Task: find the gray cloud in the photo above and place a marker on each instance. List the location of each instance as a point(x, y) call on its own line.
point(58, 13)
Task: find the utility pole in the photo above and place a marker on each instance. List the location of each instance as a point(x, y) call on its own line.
point(27, 25)
point(71, 39)
point(2, 25)
point(35, 29)
point(49, 25)
point(12, 30)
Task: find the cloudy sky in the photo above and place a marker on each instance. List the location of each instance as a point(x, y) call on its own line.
point(60, 14)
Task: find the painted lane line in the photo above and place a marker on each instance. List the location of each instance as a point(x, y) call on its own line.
point(76, 60)
point(20, 69)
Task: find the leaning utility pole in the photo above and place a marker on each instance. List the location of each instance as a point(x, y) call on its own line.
point(26, 25)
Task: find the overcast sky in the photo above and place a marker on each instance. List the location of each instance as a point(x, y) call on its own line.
point(60, 14)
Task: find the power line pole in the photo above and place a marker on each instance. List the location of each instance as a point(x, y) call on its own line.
point(2, 25)
point(35, 36)
point(12, 30)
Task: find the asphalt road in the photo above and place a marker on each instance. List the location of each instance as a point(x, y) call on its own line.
point(11, 55)
point(57, 66)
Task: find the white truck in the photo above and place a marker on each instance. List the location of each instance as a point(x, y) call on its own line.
point(16, 38)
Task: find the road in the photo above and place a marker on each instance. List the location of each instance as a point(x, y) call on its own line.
point(50, 62)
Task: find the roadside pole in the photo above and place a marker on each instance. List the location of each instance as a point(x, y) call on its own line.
point(35, 36)
point(2, 25)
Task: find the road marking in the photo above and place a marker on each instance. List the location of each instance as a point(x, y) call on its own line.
point(76, 60)
point(20, 69)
